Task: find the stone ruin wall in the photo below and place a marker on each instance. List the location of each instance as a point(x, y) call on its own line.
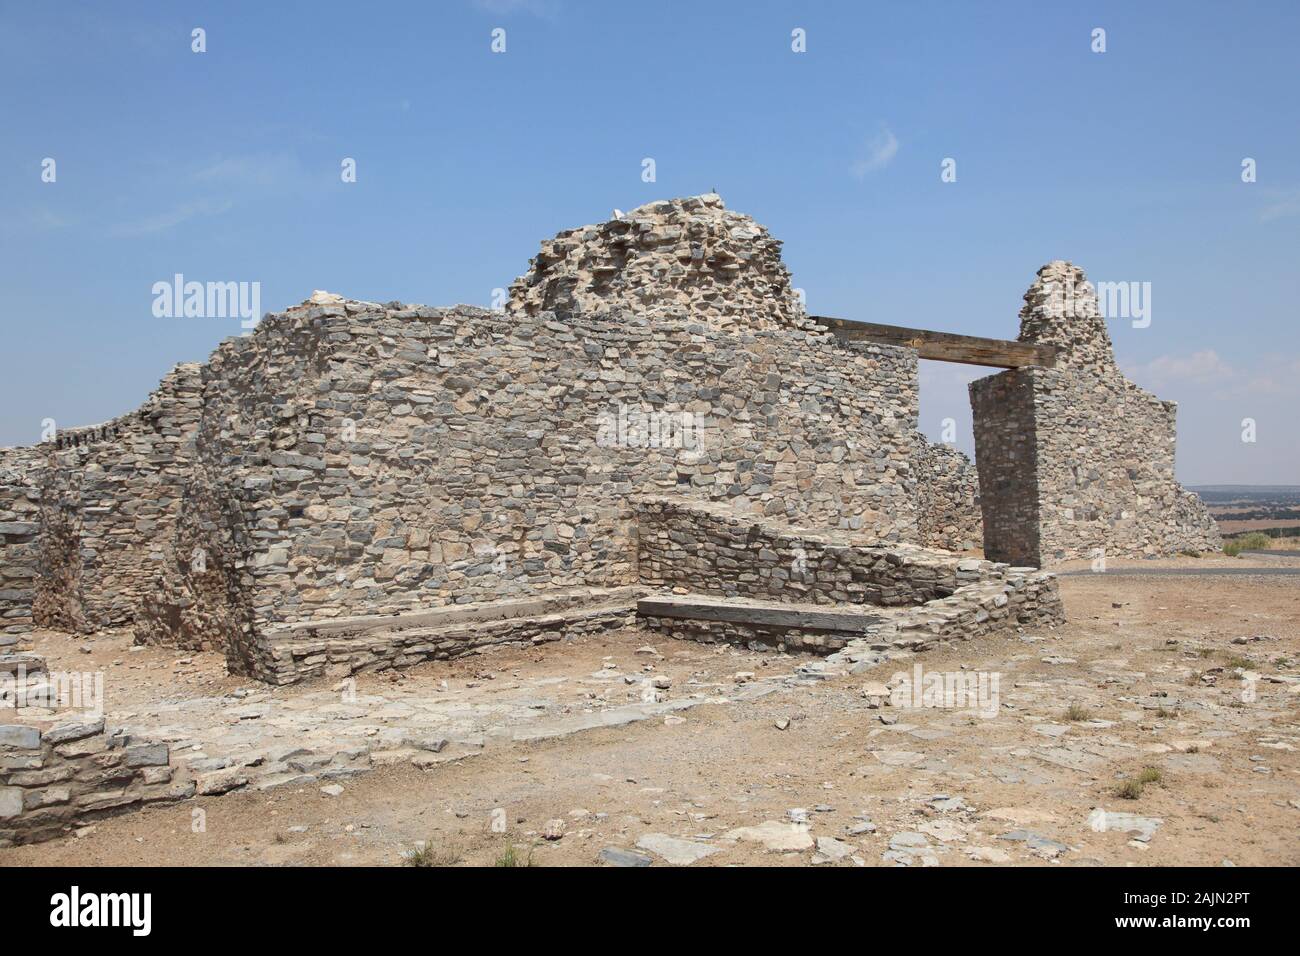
point(484, 461)
point(1002, 409)
point(356, 458)
point(66, 771)
point(105, 499)
point(351, 457)
point(692, 252)
point(20, 525)
point(1076, 460)
point(923, 597)
point(948, 497)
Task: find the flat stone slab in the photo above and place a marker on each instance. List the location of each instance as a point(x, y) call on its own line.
point(20, 737)
point(763, 613)
point(616, 856)
point(1034, 841)
point(774, 835)
point(676, 851)
point(831, 850)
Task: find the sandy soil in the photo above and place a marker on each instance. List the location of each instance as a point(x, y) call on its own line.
point(1149, 665)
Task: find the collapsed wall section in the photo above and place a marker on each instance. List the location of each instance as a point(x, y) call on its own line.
point(692, 253)
point(109, 498)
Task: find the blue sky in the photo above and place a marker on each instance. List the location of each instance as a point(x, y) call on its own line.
point(225, 166)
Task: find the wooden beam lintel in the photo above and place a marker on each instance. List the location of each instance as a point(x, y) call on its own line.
point(945, 346)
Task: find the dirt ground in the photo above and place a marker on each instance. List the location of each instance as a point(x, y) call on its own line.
point(1145, 676)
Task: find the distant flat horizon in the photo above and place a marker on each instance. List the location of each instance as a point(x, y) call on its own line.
point(1259, 488)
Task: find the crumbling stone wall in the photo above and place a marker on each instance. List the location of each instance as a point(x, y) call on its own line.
point(110, 495)
point(720, 265)
point(352, 457)
point(948, 497)
point(1075, 460)
point(925, 597)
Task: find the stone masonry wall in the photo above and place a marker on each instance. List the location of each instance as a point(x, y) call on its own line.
point(354, 457)
point(1082, 460)
point(1002, 410)
point(20, 522)
point(708, 549)
point(1025, 598)
point(926, 597)
point(372, 459)
point(110, 495)
point(948, 504)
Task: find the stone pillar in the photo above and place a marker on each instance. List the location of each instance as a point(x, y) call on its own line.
point(1007, 463)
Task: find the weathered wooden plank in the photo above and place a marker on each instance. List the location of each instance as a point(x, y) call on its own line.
point(756, 613)
point(945, 346)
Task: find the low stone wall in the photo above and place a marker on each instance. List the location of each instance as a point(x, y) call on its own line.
point(60, 774)
point(346, 646)
point(709, 549)
point(1023, 598)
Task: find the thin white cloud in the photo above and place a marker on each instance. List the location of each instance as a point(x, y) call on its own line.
point(271, 170)
point(1208, 374)
point(1282, 205)
point(164, 221)
point(880, 151)
point(1200, 368)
